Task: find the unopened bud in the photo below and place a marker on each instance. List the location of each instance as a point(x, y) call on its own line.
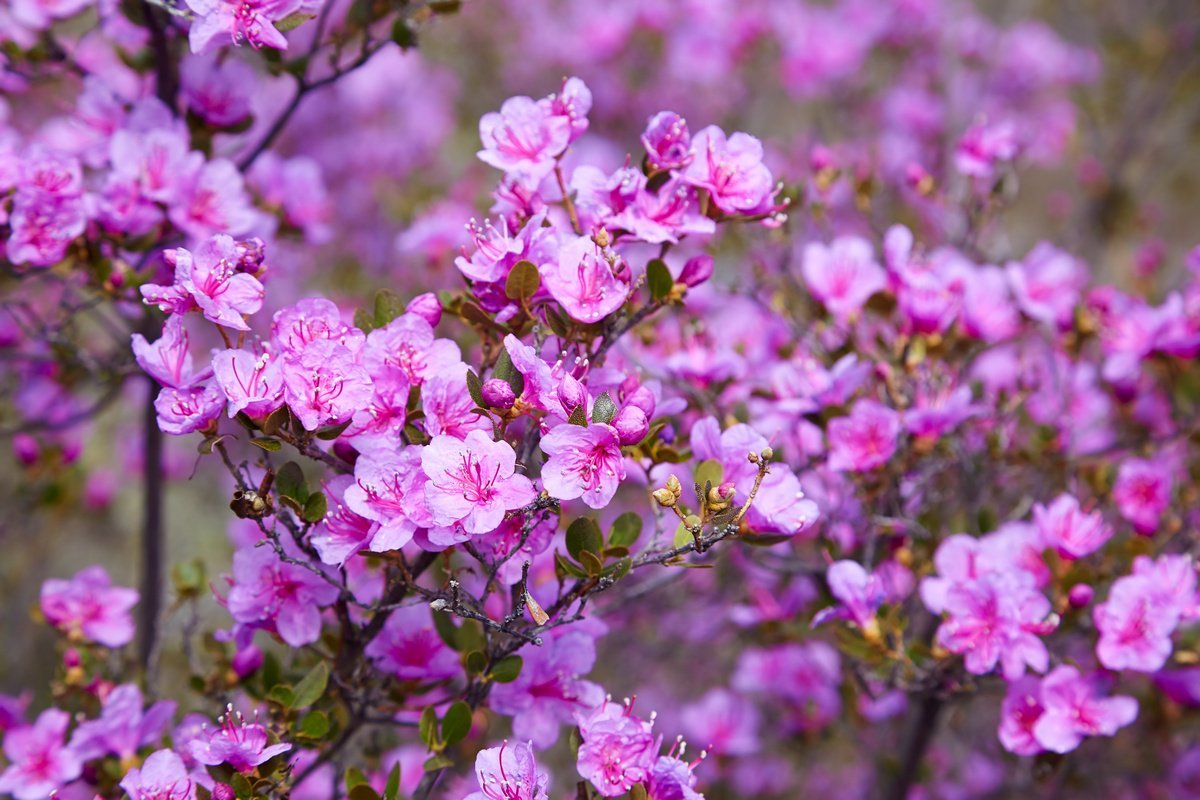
point(601, 238)
point(752, 457)
point(675, 487)
point(223, 791)
point(498, 394)
point(697, 270)
point(767, 454)
point(631, 425)
point(665, 498)
point(427, 307)
point(251, 254)
point(1080, 595)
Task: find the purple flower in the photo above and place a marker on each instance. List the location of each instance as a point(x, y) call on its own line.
point(217, 90)
point(187, 410)
point(389, 488)
point(843, 275)
point(1064, 526)
point(1073, 710)
point(997, 619)
point(276, 595)
point(209, 278)
point(549, 689)
point(409, 648)
point(1020, 711)
point(448, 407)
point(584, 462)
point(726, 722)
point(667, 141)
point(246, 21)
point(1046, 284)
point(168, 360)
point(524, 139)
point(985, 146)
point(39, 763)
point(1135, 626)
point(665, 215)
point(89, 607)
point(731, 170)
point(618, 749)
point(1143, 493)
point(123, 725)
point(859, 593)
point(472, 481)
point(583, 281)
point(509, 772)
point(251, 381)
point(865, 439)
point(672, 778)
point(343, 532)
point(162, 776)
point(805, 676)
point(407, 348)
point(293, 328)
point(323, 384)
point(240, 744)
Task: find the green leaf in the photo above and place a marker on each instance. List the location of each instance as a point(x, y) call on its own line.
point(659, 279)
point(293, 21)
point(475, 388)
point(591, 562)
point(388, 306)
point(331, 432)
point(507, 669)
point(620, 569)
point(470, 636)
point(276, 420)
point(241, 786)
point(638, 792)
point(625, 530)
point(683, 537)
point(363, 321)
point(505, 371)
point(558, 323)
point(206, 447)
point(523, 281)
point(392, 790)
point(355, 777)
point(362, 792)
point(475, 662)
point(270, 445)
point(604, 409)
point(457, 723)
point(443, 623)
point(315, 507)
point(584, 534)
point(311, 686)
point(709, 471)
point(567, 567)
point(281, 694)
point(406, 37)
point(290, 482)
point(314, 725)
point(427, 727)
point(578, 416)
point(434, 763)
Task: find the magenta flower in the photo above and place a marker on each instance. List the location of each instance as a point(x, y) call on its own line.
point(865, 439)
point(997, 619)
point(89, 607)
point(584, 462)
point(389, 488)
point(323, 384)
point(1143, 493)
point(448, 408)
point(1073, 711)
point(549, 689)
point(983, 147)
point(805, 676)
point(343, 532)
point(1064, 526)
point(408, 349)
point(583, 281)
point(123, 725)
point(162, 776)
point(240, 744)
point(731, 170)
point(1135, 626)
point(40, 763)
point(409, 648)
point(209, 279)
point(1046, 284)
point(187, 410)
point(293, 328)
point(278, 596)
point(168, 359)
point(524, 139)
point(726, 722)
point(1020, 711)
point(667, 141)
point(618, 749)
point(248, 21)
point(251, 381)
point(665, 215)
point(672, 778)
point(843, 275)
point(472, 481)
point(509, 772)
point(858, 593)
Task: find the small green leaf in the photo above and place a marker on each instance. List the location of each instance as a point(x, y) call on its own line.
point(427, 727)
point(709, 471)
point(505, 371)
point(604, 409)
point(331, 432)
point(584, 534)
point(206, 447)
point(290, 482)
point(658, 279)
point(270, 445)
point(620, 569)
point(241, 786)
point(392, 790)
point(281, 694)
point(363, 321)
point(293, 21)
point(315, 507)
point(475, 662)
point(625, 530)
point(578, 417)
point(362, 792)
point(443, 623)
point(456, 724)
point(558, 323)
point(311, 686)
point(475, 388)
point(434, 763)
point(591, 562)
point(406, 37)
point(314, 725)
point(683, 537)
point(567, 567)
point(638, 792)
point(507, 669)
point(523, 281)
point(388, 306)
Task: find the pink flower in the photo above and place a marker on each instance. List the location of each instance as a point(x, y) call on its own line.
point(246, 21)
point(726, 722)
point(162, 776)
point(665, 215)
point(731, 170)
point(251, 382)
point(1020, 711)
point(1064, 526)
point(448, 408)
point(584, 462)
point(843, 275)
point(89, 607)
point(523, 139)
point(123, 725)
point(389, 488)
point(240, 744)
point(509, 772)
point(1143, 493)
point(1135, 626)
point(667, 141)
point(39, 763)
point(343, 532)
point(865, 439)
point(209, 279)
point(1046, 284)
point(187, 410)
point(213, 200)
point(409, 648)
point(408, 348)
point(168, 360)
point(278, 596)
point(1073, 710)
point(985, 146)
point(806, 677)
point(997, 618)
point(858, 592)
point(293, 328)
point(583, 282)
point(472, 481)
point(323, 385)
point(988, 311)
point(618, 749)
point(217, 90)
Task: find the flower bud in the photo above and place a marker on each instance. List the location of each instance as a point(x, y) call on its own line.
point(247, 661)
point(631, 424)
point(642, 398)
point(25, 448)
point(674, 486)
point(601, 238)
point(767, 454)
point(571, 394)
point(664, 497)
point(697, 270)
point(498, 394)
point(427, 307)
point(1080, 595)
point(223, 791)
point(250, 255)
point(720, 497)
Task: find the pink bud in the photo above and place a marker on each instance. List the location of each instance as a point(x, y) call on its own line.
point(99, 490)
point(250, 255)
point(498, 394)
point(697, 270)
point(427, 307)
point(247, 661)
point(345, 451)
point(643, 398)
point(631, 424)
point(25, 448)
point(571, 394)
point(1080, 595)
point(223, 791)
point(71, 658)
point(821, 158)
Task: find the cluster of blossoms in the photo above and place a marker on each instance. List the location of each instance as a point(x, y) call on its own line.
point(910, 466)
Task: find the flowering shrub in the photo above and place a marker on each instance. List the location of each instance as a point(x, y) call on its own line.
point(700, 456)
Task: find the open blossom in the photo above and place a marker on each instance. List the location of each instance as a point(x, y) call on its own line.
point(1143, 493)
point(168, 359)
point(584, 462)
point(1020, 711)
point(294, 327)
point(162, 776)
point(1046, 284)
point(409, 648)
point(618, 749)
point(583, 281)
point(248, 21)
point(39, 762)
point(472, 481)
point(731, 170)
point(524, 139)
point(1068, 529)
point(251, 381)
point(389, 488)
point(672, 778)
point(240, 744)
point(858, 593)
point(1074, 710)
point(324, 385)
point(667, 141)
point(209, 279)
point(343, 532)
point(842, 275)
point(89, 607)
point(997, 619)
point(806, 676)
point(985, 146)
point(271, 593)
point(123, 725)
point(1143, 610)
point(864, 440)
point(509, 772)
